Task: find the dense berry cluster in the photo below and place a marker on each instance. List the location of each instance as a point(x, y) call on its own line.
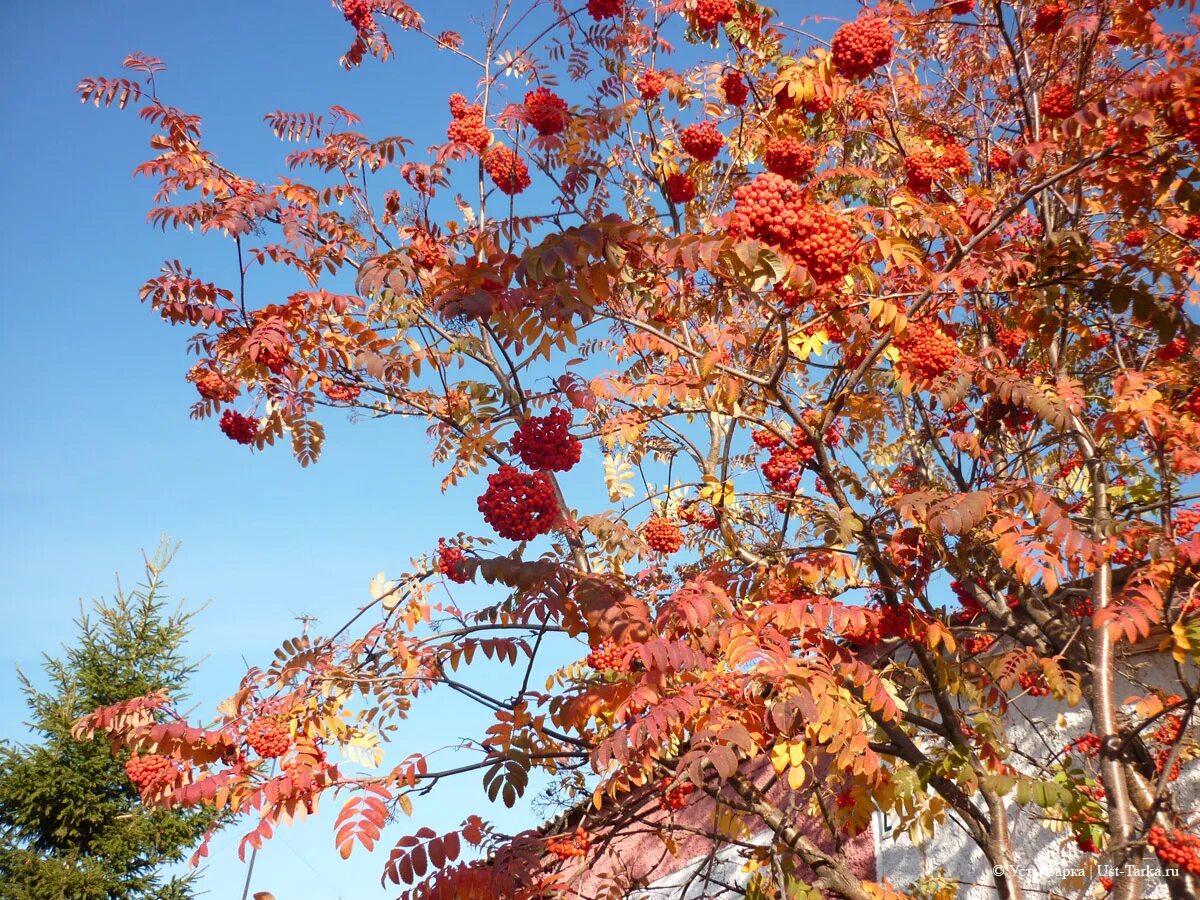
point(507, 170)
point(458, 106)
point(771, 209)
point(711, 13)
point(662, 535)
point(1176, 847)
point(681, 188)
point(448, 558)
point(1011, 340)
point(607, 656)
point(1058, 101)
point(1186, 520)
point(674, 797)
point(519, 505)
point(926, 351)
point(605, 9)
point(211, 385)
point(569, 845)
point(468, 126)
point(735, 89)
point(788, 157)
point(693, 513)
point(546, 111)
point(1191, 228)
point(236, 427)
point(148, 771)
point(978, 644)
point(651, 85)
point(1033, 683)
point(1000, 160)
point(268, 737)
point(1050, 17)
point(782, 468)
point(358, 13)
point(546, 442)
point(768, 440)
point(339, 393)
point(1134, 237)
point(920, 170)
point(702, 141)
point(1087, 745)
point(960, 7)
point(862, 46)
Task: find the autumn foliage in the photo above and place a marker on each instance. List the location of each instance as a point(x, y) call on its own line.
point(883, 347)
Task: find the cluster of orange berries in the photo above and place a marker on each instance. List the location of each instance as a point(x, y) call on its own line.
point(1192, 405)
point(604, 9)
point(546, 111)
point(680, 188)
point(1186, 520)
point(358, 14)
point(674, 797)
point(448, 558)
point(468, 126)
point(979, 643)
point(960, 7)
point(788, 157)
point(1087, 744)
point(211, 385)
point(1191, 228)
point(519, 505)
point(150, 770)
point(927, 351)
point(735, 89)
point(268, 737)
point(507, 170)
point(1058, 101)
point(782, 467)
point(651, 85)
point(1050, 17)
point(546, 442)
point(1011, 340)
point(607, 656)
point(702, 141)
point(662, 535)
point(339, 393)
point(570, 845)
point(694, 514)
point(1034, 683)
point(923, 167)
point(862, 46)
point(1176, 847)
point(772, 209)
point(712, 13)
point(239, 428)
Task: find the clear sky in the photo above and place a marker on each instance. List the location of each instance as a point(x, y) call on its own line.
point(99, 456)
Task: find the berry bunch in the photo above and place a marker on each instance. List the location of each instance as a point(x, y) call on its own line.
point(651, 85)
point(1000, 160)
point(458, 106)
point(1058, 101)
point(448, 558)
point(546, 111)
point(1176, 847)
point(702, 141)
point(1011, 340)
point(674, 797)
point(771, 209)
point(920, 170)
point(605, 9)
point(1186, 520)
point(1050, 17)
point(236, 427)
point(358, 13)
point(607, 656)
point(782, 468)
point(1192, 404)
point(1191, 228)
point(978, 644)
point(662, 535)
point(468, 126)
point(862, 46)
point(1134, 237)
point(788, 157)
point(546, 442)
point(211, 385)
point(519, 505)
point(1088, 745)
point(768, 440)
point(569, 845)
point(927, 351)
point(680, 188)
point(735, 89)
point(268, 737)
point(960, 7)
point(507, 170)
point(712, 13)
point(1034, 683)
point(339, 393)
point(148, 771)
point(694, 514)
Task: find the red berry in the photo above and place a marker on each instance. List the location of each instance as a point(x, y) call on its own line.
point(150, 771)
point(711, 13)
point(920, 170)
point(788, 157)
point(1176, 847)
point(358, 13)
point(546, 442)
point(680, 188)
point(507, 170)
point(1088, 745)
point(671, 798)
point(608, 656)
point(546, 111)
point(211, 385)
point(1050, 17)
point(605, 9)
point(567, 846)
point(1058, 101)
point(651, 85)
point(862, 46)
point(469, 128)
point(339, 393)
point(1034, 683)
point(702, 141)
point(236, 427)
point(1000, 160)
point(519, 505)
point(1134, 237)
point(926, 351)
point(735, 89)
point(960, 7)
point(1191, 228)
point(768, 440)
point(459, 106)
point(662, 535)
point(449, 556)
point(268, 737)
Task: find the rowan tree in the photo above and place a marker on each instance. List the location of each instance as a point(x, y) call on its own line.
point(890, 362)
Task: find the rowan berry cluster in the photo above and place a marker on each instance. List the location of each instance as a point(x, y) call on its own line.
point(662, 535)
point(607, 656)
point(960, 7)
point(148, 771)
point(978, 644)
point(782, 468)
point(1134, 237)
point(651, 85)
point(1000, 160)
point(605, 9)
point(268, 737)
point(448, 558)
point(920, 170)
point(680, 188)
point(239, 428)
point(1087, 745)
point(735, 89)
point(768, 440)
point(1058, 101)
point(788, 157)
point(1011, 340)
point(1034, 683)
point(927, 351)
point(546, 442)
point(1191, 228)
point(519, 505)
point(712, 13)
point(358, 13)
point(1192, 404)
point(546, 111)
point(468, 126)
point(1176, 847)
point(771, 209)
point(674, 797)
point(1050, 17)
point(702, 141)
point(862, 46)
point(211, 385)
point(339, 393)
point(694, 514)
point(507, 170)
point(1186, 520)
point(569, 845)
